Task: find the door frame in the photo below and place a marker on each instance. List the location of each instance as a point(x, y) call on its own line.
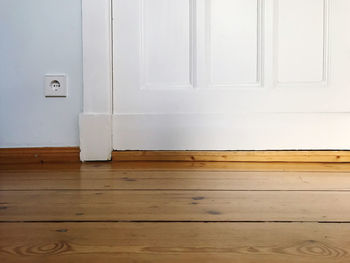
point(95, 122)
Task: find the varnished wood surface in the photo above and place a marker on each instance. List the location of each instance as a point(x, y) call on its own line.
point(181, 166)
point(71, 154)
point(236, 166)
point(39, 155)
point(174, 212)
point(175, 206)
point(175, 242)
point(113, 179)
point(234, 156)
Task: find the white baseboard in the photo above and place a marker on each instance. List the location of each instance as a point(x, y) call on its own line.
point(254, 131)
point(95, 137)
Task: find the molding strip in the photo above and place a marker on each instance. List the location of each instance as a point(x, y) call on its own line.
point(39, 155)
point(234, 156)
point(97, 56)
point(94, 122)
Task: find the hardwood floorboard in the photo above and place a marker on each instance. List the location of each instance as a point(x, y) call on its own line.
point(172, 180)
point(180, 242)
point(175, 212)
point(166, 166)
point(174, 206)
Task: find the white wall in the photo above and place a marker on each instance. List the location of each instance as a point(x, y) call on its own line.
point(39, 37)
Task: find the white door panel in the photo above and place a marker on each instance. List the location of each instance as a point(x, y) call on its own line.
point(302, 41)
point(183, 60)
point(233, 45)
point(165, 44)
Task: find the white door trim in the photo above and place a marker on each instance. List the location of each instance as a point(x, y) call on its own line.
point(96, 120)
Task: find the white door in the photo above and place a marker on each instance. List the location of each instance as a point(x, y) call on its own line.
point(231, 74)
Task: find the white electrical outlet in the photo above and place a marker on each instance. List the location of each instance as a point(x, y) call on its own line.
point(56, 86)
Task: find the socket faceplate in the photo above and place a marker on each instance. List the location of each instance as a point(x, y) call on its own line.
point(56, 86)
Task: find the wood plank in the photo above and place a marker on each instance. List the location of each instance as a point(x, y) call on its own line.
point(174, 206)
point(179, 242)
point(234, 156)
point(185, 166)
point(232, 166)
point(102, 179)
point(39, 155)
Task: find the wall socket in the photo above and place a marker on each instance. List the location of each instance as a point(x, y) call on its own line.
point(56, 86)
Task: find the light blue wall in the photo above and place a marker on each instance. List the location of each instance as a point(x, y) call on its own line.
point(38, 37)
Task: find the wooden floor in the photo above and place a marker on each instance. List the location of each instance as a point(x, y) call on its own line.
point(175, 212)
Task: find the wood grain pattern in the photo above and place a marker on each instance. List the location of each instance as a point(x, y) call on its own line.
point(233, 166)
point(234, 156)
point(174, 206)
point(100, 178)
point(179, 242)
point(39, 155)
point(176, 166)
point(174, 212)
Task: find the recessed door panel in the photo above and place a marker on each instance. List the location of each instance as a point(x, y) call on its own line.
point(302, 41)
point(166, 43)
point(234, 42)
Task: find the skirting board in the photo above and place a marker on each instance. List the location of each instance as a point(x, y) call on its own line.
point(71, 155)
point(39, 155)
point(234, 156)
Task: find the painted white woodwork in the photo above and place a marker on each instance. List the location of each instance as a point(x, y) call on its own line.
point(231, 74)
point(97, 80)
point(169, 63)
point(242, 131)
point(234, 42)
point(97, 56)
point(95, 137)
point(302, 41)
